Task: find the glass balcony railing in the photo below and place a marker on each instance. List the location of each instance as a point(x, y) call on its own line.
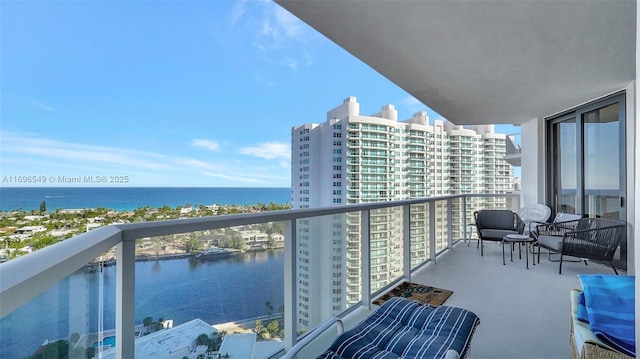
point(114, 289)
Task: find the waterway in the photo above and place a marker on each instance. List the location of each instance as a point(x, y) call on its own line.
point(217, 291)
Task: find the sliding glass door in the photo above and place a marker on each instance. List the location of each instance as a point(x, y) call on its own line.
point(565, 180)
point(603, 163)
point(587, 162)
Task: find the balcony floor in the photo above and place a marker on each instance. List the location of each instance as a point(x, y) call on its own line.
point(523, 313)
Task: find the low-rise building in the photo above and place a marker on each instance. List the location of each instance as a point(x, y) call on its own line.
point(30, 229)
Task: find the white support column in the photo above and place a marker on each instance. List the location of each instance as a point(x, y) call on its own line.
point(365, 248)
point(125, 299)
point(290, 288)
point(406, 235)
point(432, 230)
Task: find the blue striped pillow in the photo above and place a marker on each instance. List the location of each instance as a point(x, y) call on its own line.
point(402, 328)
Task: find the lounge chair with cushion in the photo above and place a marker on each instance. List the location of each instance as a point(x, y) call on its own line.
point(403, 328)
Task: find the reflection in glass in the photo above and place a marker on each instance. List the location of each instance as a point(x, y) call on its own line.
point(565, 162)
point(386, 244)
point(602, 162)
point(69, 318)
point(328, 267)
point(419, 233)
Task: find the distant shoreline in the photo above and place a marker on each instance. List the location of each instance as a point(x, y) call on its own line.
point(168, 257)
point(130, 198)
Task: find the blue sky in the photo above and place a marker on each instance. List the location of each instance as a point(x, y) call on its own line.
point(183, 94)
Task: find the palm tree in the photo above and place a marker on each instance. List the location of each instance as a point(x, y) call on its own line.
point(269, 307)
point(147, 321)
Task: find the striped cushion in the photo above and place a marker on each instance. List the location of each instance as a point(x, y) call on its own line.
point(402, 328)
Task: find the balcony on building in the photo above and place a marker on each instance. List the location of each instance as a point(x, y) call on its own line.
point(434, 246)
point(534, 64)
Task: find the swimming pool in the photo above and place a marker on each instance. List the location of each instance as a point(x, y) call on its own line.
point(107, 342)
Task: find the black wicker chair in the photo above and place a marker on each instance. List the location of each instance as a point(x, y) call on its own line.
point(585, 238)
point(494, 224)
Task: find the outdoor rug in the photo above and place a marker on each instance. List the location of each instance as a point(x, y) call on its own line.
point(418, 292)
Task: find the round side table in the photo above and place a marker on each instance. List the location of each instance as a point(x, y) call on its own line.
point(511, 239)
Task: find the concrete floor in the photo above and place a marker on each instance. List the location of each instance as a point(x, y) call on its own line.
point(524, 313)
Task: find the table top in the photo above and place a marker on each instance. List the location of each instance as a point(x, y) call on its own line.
point(517, 238)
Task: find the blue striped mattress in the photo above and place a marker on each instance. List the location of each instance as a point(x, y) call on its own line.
point(402, 328)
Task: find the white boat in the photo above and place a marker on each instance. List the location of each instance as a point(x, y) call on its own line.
point(216, 253)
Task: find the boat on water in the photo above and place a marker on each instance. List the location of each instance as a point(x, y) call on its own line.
point(216, 253)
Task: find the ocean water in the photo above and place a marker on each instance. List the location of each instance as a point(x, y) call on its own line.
point(130, 198)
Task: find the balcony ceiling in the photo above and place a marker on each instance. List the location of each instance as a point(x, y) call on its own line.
point(480, 62)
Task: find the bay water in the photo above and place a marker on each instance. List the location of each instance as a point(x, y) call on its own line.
point(216, 291)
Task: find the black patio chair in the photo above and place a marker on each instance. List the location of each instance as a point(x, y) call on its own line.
point(584, 238)
point(494, 224)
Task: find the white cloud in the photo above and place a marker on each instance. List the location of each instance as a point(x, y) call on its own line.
point(268, 150)
point(290, 24)
point(279, 37)
point(291, 63)
point(264, 80)
point(63, 151)
point(41, 105)
point(237, 179)
point(207, 144)
point(238, 10)
point(35, 155)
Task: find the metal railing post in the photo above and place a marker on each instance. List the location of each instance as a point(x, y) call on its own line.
point(406, 241)
point(432, 231)
point(365, 248)
point(290, 287)
point(464, 218)
point(449, 223)
point(125, 299)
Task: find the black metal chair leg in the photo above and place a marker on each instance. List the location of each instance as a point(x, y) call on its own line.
point(513, 248)
point(560, 271)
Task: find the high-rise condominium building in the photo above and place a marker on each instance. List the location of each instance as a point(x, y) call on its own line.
point(351, 158)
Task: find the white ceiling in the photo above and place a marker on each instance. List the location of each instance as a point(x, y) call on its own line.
point(480, 62)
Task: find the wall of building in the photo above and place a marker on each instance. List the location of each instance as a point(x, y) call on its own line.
point(633, 168)
point(533, 161)
point(352, 158)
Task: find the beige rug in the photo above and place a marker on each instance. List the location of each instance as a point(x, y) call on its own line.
point(417, 292)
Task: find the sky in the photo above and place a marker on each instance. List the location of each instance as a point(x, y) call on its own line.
point(168, 93)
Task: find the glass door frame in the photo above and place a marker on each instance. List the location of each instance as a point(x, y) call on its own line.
point(577, 114)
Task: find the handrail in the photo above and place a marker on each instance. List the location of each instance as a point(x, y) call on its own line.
point(313, 334)
point(23, 278)
point(30, 275)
